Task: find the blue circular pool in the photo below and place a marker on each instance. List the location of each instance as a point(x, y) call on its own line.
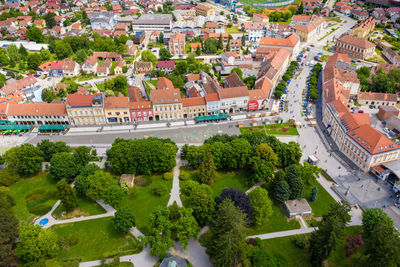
point(43, 221)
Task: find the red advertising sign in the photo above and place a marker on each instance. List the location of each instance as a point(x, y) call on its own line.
point(253, 105)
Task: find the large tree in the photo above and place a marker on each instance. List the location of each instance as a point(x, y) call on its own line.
point(36, 243)
point(97, 183)
point(66, 194)
point(240, 199)
point(371, 218)
point(295, 182)
point(159, 236)
point(164, 54)
point(113, 195)
point(82, 155)
point(8, 236)
point(228, 244)
point(207, 169)
point(330, 233)
point(81, 179)
point(49, 148)
point(186, 226)
point(261, 169)
point(265, 152)
point(261, 204)
point(124, 220)
point(63, 166)
point(25, 159)
point(34, 34)
point(202, 202)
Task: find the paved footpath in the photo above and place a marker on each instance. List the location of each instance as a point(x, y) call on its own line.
point(175, 191)
point(52, 221)
point(285, 233)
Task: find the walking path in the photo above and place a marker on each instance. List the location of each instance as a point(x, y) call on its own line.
point(175, 190)
point(53, 221)
point(285, 233)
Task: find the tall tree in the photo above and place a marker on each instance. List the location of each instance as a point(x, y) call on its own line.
point(24, 160)
point(36, 243)
point(123, 220)
point(261, 204)
point(50, 21)
point(202, 202)
point(371, 218)
point(8, 236)
point(66, 194)
point(265, 152)
point(240, 199)
point(228, 244)
point(186, 226)
point(97, 183)
point(34, 34)
point(330, 233)
point(63, 166)
point(113, 195)
point(295, 183)
point(50, 148)
point(159, 236)
point(82, 155)
point(207, 170)
point(164, 54)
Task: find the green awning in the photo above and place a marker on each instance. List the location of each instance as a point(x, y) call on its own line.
point(3, 122)
point(53, 127)
point(14, 127)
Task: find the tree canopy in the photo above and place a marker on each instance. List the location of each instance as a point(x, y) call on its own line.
point(24, 160)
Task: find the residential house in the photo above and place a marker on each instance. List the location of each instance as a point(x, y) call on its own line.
point(177, 44)
point(307, 27)
point(166, 66)
point(85, 109)
point(378, 99)
point(235, 45)
point(213, 103)
point(116, 109)
point(260, 17)
point(274, 65)
point(203, 10)
point(363, 29)
point(194, 107)
point(260, 97)
point(256, 31)
point(355, 47)
point(360, 14)
point(105, 68)
point(141, 111)
point(392, 56)
point(234, 99)
point(70, 68)
point(167, 101)
point(138, 38)
point(29, 85)
point(119, 68)
point(143, 67)
point(37, 113)
point(90, 65)
point(291, 42)
point(113, 56)
point(232, 80)
point(194, 46)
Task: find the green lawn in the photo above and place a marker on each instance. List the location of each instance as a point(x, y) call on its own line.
point(286, 128)
point(86, 207)
point(233, 30)
point(33, 196)
point(285, 247)
point(278, 222)
point(223, 180)
point(337, 19)
point(92, 240)
point(143, 201)
point(113, 64)
point(324, 200)
point(153, 82)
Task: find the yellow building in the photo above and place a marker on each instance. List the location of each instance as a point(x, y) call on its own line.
point(206, 11)
point(116, 109)
point(167, 101)
point(85, 109)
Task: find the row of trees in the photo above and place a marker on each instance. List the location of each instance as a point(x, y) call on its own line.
point(280, 87)
point(142, 156)
point(313, 86)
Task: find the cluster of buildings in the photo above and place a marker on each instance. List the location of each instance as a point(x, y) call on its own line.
point(350, 130)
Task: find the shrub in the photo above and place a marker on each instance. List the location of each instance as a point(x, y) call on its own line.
point(159, 189)
point(299, 241)
point(8, 178)
point(189, 187)
point(184, 176)
point(167, 176)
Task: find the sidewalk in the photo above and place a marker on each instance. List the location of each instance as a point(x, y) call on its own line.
point(175, 190)
point(285, 233)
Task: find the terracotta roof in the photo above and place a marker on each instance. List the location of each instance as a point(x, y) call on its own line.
point(233, 92)
point(193, 77)
point(134, 94)
point(372, 140)
point(166, 96)
point(355, 41)
point(3, 108)
point(112, 102)
point(69, 64)
point(203, 7)
point(91, 60)
point(377, 96)
point(79, 100)
point(18, 85)
point(140, 105)
point(301, 18)
point(164, 83)
point(193, 101)
point(166, 64)
point(211, 97)
point(233, 80)
point(107, 55)
point(304, 28)
point(289, 41)
point(36, 109)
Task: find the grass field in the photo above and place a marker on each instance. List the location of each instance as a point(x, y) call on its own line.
point(33, 196)
point(92, 240)
point(86, 207)
point(324, 200)
point(233, 30)
point(223, 180)
point(143, 201)
point(286, 128)
point(285, 247)
point(278, 222)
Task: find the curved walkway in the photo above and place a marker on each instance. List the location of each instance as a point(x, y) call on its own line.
point(175, 190)
point(52, 221)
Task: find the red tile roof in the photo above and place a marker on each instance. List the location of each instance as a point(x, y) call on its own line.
point(36, 109)
point(79, 100)
point(233, 92)
point(164, 83)
point(117, 102)
point(193, 101)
